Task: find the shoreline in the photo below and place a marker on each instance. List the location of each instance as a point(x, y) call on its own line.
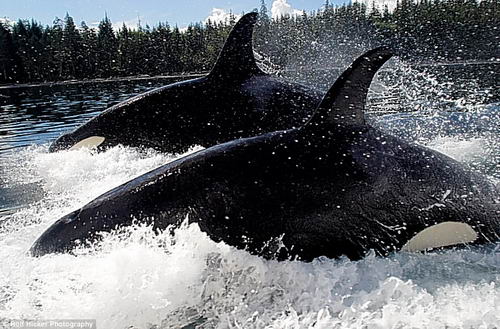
point(99, 80)
point(193, 75)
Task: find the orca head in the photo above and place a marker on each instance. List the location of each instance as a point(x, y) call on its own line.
point(53, 240)
point(146, 119)
point(168, 118)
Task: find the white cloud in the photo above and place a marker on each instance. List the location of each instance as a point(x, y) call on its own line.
point(283, 8)
point(219, 15)
point(380, 4)
point(131, 24)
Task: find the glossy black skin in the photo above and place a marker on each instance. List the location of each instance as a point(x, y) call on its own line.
point(334, 186)
point(205, 111)
point(235, 100)
point(326, 194)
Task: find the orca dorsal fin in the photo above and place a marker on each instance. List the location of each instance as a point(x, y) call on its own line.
point(236, 58)
point(344, 103)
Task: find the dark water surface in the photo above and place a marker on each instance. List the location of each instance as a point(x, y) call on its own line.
point(38, 114)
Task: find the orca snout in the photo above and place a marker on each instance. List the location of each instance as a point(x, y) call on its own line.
point(64, 142)
point(57, 238)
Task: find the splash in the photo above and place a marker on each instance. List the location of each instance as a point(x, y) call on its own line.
point(140, 279)
point(400, 86)
point(403, 87)
point(470, 137)
point(461, 150)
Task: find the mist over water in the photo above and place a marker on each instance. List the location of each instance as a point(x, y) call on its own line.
point(136, 278)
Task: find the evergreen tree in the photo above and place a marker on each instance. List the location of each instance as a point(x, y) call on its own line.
point(263, 13)
point(73, 50)
point(443, 30)
point(125, 50)
point(10, 63)
point(88, 51)
point(56, 48)
point(107, 48)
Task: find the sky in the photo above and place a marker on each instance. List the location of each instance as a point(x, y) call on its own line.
point(176, 12)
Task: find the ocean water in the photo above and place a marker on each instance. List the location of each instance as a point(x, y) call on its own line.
point(137, 278)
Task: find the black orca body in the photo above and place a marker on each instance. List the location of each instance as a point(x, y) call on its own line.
point(335, 186)
point(235, 100)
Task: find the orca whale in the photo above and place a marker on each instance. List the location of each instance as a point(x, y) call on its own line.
point(236, 99)
point(334, 186)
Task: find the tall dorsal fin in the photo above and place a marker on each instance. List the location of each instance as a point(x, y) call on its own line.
point(344, 103)
point(236, 58)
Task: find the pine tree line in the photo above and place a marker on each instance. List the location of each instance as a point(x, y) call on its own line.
point(444, 30)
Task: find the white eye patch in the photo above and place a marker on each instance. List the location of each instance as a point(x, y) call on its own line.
point(441, 235)
point(90, 142)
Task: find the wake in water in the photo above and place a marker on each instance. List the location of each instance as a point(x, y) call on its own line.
point(135, 277)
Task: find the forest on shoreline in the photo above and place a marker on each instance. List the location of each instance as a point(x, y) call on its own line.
point(423, 31)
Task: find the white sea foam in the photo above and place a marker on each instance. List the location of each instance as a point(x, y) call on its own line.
point(462, 150)
point(138, 278)
point(479, 153)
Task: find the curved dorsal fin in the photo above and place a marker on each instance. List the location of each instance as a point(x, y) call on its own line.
point(236, 58)
point(344, 103)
